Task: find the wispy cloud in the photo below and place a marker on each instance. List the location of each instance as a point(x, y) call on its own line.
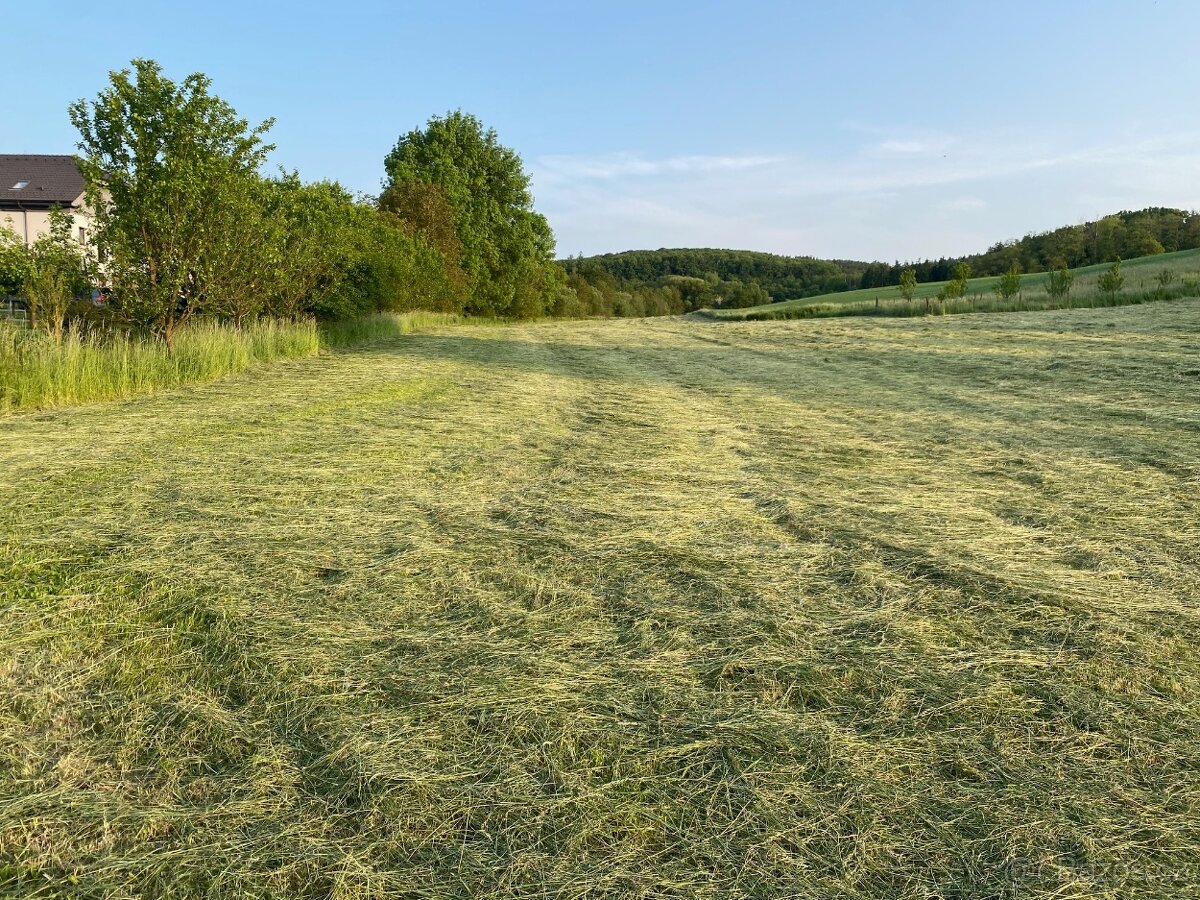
point(910, 146)
point(964, 204)
point(621, 164)
point(897, 196)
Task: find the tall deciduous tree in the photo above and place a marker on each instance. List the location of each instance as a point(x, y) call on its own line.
point(908, 283)
point(164, 163)
point(506, 247)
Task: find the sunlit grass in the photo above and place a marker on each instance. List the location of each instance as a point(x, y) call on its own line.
point(856, 608)
point(36, 373)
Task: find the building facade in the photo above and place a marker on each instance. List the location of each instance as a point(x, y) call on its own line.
point(31, 186)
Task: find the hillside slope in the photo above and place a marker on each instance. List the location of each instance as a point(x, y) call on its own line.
point(671, 609)
point(1139, 276)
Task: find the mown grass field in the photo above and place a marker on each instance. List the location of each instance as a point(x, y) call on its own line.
point(864, 608)
point(1139, 275)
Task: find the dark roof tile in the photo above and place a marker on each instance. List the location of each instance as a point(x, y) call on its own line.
point(52, 180)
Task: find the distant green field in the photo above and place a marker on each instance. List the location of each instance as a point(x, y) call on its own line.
point(1139, 276)
point(870, 609)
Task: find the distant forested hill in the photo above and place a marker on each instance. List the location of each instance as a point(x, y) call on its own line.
point(1124, 235)
point(781, 276)
point(650, 282)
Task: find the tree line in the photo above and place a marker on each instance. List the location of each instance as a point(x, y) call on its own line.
point(685, 280)
point(689, 279)
point(1123, 235)
point(187, 224)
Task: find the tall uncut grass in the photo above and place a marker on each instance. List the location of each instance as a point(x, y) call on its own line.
point(381, 327)
point(36, 373)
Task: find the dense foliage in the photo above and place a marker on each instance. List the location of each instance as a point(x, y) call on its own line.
point(455, 182)
point(728, 278)
point(189, 227)
point(171, 172)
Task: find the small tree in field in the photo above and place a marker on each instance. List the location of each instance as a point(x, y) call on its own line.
point(1165, 278)
point(55, 273)
point(908, 284)
point(956, 287)
point(1058, 285)
point(1112, 281)
point(1009, 284)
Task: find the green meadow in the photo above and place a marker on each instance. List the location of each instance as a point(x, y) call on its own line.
point(672, 608)
point(1140, 286)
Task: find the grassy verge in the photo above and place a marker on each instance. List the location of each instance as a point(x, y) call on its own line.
point(35, 373)
point(853, 608)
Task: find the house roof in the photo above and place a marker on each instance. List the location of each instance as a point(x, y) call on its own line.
point(49, 181)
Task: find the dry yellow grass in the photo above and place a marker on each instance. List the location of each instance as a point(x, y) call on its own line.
point(852, 608)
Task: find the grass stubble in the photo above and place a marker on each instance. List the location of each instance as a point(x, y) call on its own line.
point(848, 608)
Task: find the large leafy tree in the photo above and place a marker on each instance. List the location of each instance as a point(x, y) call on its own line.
point(168, 167)
point(504, 247)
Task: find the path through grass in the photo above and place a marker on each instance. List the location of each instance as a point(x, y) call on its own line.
point(657, 608)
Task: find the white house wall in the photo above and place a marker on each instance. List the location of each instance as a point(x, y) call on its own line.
point(31, 224)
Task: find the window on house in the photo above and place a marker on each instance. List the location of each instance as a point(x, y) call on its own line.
point(82, 235)
point(20, 185)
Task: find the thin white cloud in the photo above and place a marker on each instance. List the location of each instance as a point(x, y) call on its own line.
point(622, 164)
point(964, 204)
point(910, 146)
point(953, 195)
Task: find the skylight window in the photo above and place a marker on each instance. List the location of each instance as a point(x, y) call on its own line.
point(20, 185)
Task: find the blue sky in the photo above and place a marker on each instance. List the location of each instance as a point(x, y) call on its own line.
point(856, 129)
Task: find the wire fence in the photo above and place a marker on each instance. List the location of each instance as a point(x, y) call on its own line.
point(15, 311)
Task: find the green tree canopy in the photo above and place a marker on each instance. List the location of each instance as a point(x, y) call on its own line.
point(505, 248)
point(14, 262)
point(166, 165)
